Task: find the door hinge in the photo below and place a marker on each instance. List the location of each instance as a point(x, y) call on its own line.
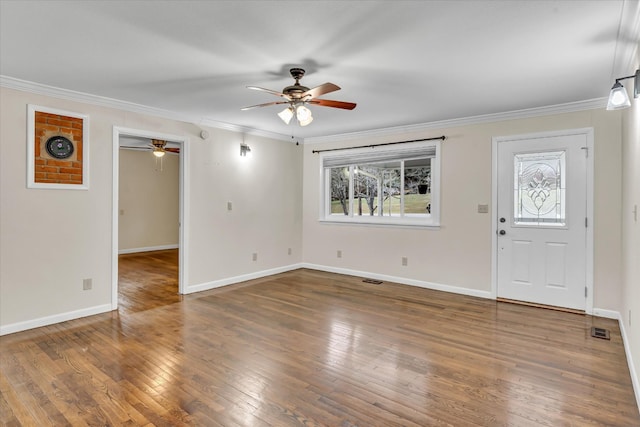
point(586, 151)
point(586, 222)
point(585, 291)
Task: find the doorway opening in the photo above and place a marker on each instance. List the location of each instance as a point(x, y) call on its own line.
point(149, 227)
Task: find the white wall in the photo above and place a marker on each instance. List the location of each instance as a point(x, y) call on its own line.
point(630, 307)
point(42, 266)
point(149, 203)
point(265, 191)
point(457, 256)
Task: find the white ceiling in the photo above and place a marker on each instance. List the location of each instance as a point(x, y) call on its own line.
point(403, 62)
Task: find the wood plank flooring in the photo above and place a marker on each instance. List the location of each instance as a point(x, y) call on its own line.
point(309, 348)
point(147, 280)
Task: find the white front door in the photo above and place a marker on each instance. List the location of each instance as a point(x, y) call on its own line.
point(542, 219)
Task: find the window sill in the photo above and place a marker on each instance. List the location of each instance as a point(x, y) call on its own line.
point(369, 222)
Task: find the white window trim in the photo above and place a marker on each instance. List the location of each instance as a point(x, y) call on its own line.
point(429, 221)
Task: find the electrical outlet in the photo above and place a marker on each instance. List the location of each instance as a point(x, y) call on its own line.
point(229, 206)
point(87, 284)
point(255, 256)
point(289, 251)
point(405, 261)
point(121, 211)
point(483, 208)
point(339, 254)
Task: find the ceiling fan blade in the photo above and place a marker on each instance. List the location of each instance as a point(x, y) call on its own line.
point(264, 105)
point(136, 147)
point(273, 92)
point(320, 90)
point(334, 104)
point(172, 150)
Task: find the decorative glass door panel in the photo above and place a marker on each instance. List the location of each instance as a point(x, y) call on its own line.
point(539, 189)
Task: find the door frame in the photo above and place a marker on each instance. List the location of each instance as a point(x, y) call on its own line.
point(183, 201)
point(588, 132)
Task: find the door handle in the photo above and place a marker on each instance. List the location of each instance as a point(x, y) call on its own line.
point(502, 232)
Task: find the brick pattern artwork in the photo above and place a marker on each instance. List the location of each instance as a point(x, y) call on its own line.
point(47, 168)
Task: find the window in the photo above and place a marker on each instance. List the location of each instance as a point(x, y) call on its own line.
point(396, 185)
point(539, 189)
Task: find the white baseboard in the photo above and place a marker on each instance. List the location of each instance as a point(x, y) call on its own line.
point(56, 318)
point(237, 279)
point(147, 249)
point(635, 380)
point(402, 280)
point(609, 314)
point(632, 370)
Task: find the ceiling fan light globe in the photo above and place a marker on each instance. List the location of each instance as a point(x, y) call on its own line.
point(286, 115)
point(158, 152)
point(618, 97)
point(303, 114)
point(305, 122)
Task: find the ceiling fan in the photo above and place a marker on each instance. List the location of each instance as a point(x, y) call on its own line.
point(297, 96)
point(159, 147)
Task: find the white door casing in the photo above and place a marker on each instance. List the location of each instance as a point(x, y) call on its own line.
point(542, 200)
point(184, 191)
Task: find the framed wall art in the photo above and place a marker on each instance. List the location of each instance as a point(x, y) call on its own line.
point(57, 149)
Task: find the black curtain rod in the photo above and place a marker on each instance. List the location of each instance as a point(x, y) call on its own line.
point(378, 145)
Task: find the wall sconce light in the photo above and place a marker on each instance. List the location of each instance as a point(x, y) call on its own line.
point(618, 97)
point(245, 150)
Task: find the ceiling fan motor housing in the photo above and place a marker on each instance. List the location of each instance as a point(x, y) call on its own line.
point(296, 90)
point(297, 73)
point(158, 143)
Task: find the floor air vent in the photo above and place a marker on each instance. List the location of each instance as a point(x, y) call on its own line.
point(373, 281)
point(600, 333)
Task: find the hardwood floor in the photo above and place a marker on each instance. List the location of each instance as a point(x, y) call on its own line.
point(147, 280)
point(317, 349)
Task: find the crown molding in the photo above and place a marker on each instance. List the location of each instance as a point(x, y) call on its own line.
point(40, 89)
point(101, 101)
point(627, 40)
point(591, 104)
